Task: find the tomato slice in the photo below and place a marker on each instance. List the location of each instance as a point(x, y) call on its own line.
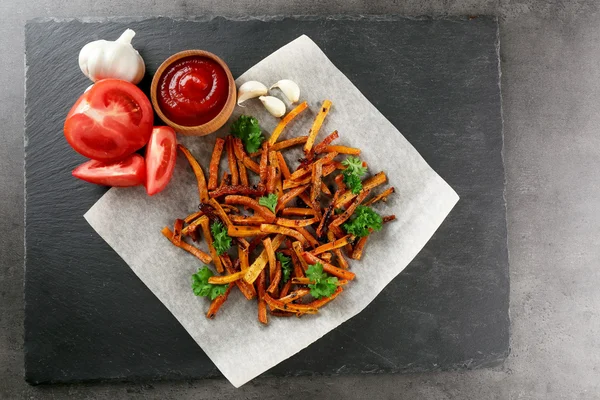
point(110, 121)
point(130, 171)
point(161, 154)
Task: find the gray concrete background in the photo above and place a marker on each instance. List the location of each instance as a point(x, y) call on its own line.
point(551, 90)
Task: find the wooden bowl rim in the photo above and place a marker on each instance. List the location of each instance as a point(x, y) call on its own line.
point(199, 130)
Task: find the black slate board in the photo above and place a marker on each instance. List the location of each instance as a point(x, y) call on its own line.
point(88, 317)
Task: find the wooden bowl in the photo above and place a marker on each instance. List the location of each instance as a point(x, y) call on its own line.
point(212, 125)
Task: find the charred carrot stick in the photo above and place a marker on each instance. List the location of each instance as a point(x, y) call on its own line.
point(296, 223)
point(213, 169)
point(247, 290)
point(368, 184)
point(341, 260)
point(286, 120)
point(309, 238)
point(381, 196)
point(216, 304)
point(285, 171)
point(330, 269)
point(177, 230)
point(326, 142)
point(286, 289)
point(268, 228)
point(295, 295)
point(202, 256)
point(324, 300)
point(202, 188)
point(278, 305)
point(262, 306)
point(205, 223)
point(297, 212)
point(248, 220)
point(274, 286)
point(314, 130)
point(261, 261)
point(288, 196)
point(232, 161)
point(333, 245)
point(253, 204)
point(350, 210)
point(284, 144)
point(352, 151)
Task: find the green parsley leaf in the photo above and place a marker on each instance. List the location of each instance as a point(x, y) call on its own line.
point(353, 182)
point(201, 287)
point(286, 266)
point(269, 201)
point(324, 285)
point(354, 170)
point(354, 165)
point(248, 129)
point(363, 219)
point(221, 239)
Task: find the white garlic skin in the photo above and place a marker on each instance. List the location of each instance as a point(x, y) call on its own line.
point(250, 90)
point(273, 105)
point(289, 88)
point(117, 59)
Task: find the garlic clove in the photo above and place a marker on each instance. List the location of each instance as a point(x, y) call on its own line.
point(289, 88)
point(250, 90)
point(273, 105)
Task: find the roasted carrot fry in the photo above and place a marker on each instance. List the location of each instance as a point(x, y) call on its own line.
point(213, 169)
point(286, 288)
point(216, 304)
point(295, 295)
point(243, 257)
point(324, 300)
point(225, 180)
point(368, 184)
point(274, 286)
point(220, 212)
point(358, 247)
point(326, 257)
point(298, 251)
point(270, 257)
point(290, 184)
point(330, 269)
point(297, 212)
point(243, 173)
point(381, 196)
point(222, 279)
point(284, 144)
point(205, 223)
point(278, 305)
point(255, 242)
point(340, 219)
point(298, 262)
point(243, 190)
point(232, 161)
point(283, 165)
point(342, 263)
point(248, 220)
point(286, 120)
point(238, 148)
point(202, 188)
point(263, 166)
point(268, 228)
point(288, 196)
point(339, 181)
point(315, 190)
point(193, 216)
point(253, 204)
point(324, 219)
point(202, 256)
point(251, 165)
point(177, 230)
point(353, 151)
point(247, 290)
point(295, 223)
point(303, 171)
point(333, 245)
point(326, 142)
point(301, 281)
point(262, 307)
point(261, 261)
point(243, 231)
point(271, 179)
point(314, 131)
point(306, 199)
point(310, 238)
point(388, 218)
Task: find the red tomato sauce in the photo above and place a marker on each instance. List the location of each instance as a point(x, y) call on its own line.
point(193, 90)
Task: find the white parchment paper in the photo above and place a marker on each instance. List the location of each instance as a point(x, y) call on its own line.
point(130, 221)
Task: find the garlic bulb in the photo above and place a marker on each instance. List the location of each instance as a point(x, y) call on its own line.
point(250, 90)
point(273, 105)
point(103, 59)
point(289, 88)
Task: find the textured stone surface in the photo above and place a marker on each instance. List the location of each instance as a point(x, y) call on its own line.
point(554, 302)
point(88, 317)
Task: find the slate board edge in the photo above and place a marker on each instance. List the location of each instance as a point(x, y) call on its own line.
point(495, 359)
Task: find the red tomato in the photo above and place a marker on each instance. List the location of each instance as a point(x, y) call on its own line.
point(161, 154)
point(110, 121)
point(128, 172)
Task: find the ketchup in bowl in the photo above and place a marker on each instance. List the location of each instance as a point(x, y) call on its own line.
point(193, 90)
